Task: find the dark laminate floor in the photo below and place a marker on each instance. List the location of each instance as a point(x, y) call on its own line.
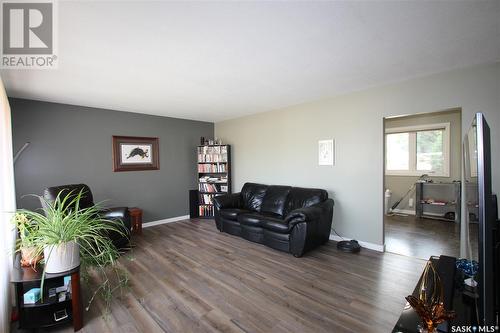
point(188, 277)
point(422, 238)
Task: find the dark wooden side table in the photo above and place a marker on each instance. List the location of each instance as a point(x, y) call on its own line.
point(49, 311)
point(136, 217)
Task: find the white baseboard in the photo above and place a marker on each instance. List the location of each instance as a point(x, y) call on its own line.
point(367, 245)
point(371, 246)
point(169, 220)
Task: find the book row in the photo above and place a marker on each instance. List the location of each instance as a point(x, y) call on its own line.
point(212, 168)
point(206, 210)
point(212, 150)
point(206, 199)
point(212, 180)
point(206, 187)
point(218, 158)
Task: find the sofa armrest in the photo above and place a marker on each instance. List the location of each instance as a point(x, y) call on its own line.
point(303, 215)
point(310, 226)
point(311, 213)
point(121, 216)
point(117, 213)
point(228, 201)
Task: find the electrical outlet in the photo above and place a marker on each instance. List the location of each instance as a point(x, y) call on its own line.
point(410, 202)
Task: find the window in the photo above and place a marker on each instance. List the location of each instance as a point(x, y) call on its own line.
point(418, 150)
point(398, 151)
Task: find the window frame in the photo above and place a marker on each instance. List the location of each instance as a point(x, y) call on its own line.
point(412, 131)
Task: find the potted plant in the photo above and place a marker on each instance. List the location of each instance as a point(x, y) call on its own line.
point(30, 254)
point(69, 236)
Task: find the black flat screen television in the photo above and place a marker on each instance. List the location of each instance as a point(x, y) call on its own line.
point(480, 208)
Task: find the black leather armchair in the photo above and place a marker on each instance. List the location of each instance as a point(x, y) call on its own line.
point(115, 214)
point(289, 219)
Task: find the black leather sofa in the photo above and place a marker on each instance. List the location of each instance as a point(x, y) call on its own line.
point(86, 200)
point(290, 219)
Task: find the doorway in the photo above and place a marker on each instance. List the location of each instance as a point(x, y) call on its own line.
point(422, 174)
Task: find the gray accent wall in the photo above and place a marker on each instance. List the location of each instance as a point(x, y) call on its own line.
point(72, 144)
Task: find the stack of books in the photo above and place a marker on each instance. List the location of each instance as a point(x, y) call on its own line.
point(212, 154)
point(207, 168)
point(206, 210)
point(207, 187)
point(212, 180)
point(206, 199)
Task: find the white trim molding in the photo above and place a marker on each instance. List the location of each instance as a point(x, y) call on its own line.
point(164, 221)
point(366, 245)
point(7, 209)
point(416, 128)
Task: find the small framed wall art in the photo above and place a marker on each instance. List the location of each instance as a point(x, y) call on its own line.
point(131, 153)
point(326, 152)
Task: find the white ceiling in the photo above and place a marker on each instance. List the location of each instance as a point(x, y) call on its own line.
point(219, 60)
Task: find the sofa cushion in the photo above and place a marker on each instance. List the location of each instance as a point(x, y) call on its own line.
point(258, 219)
point(275, 199)
point(232, 213)
point(278, 241)
point(304, 197)
point(231, 227)
point(251, 219)
point(275, 225)
point(271, 235)
point(252, 195)
point(253, 234)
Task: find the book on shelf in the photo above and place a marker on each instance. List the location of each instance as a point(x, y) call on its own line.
point(219, 149)
point(209, 179)
point(206, 199)
point(212, 154)
point(207, 187)
point(206, 210)
point(210, 167)
point(213, 158)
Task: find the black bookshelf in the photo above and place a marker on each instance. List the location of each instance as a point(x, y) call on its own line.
point(214, 178)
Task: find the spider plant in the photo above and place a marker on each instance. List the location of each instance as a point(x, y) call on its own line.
point(63, 221)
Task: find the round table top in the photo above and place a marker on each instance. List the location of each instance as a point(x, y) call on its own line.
point(26, 274)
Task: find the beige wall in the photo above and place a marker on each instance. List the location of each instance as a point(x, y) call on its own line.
point(280, 147)
point(399, 185)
